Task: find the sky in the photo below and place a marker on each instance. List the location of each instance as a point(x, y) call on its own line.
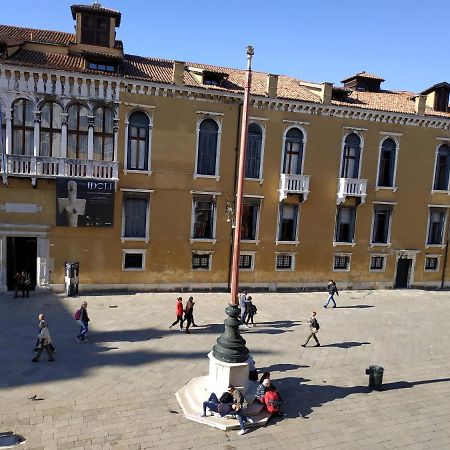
point(404, 42)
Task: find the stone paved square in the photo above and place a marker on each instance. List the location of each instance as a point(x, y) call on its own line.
point(117, 390)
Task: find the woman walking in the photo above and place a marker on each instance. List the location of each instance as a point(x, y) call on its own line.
point(179, 313)
point(84, 322)
point(189, 313)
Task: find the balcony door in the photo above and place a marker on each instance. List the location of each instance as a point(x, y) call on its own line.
point(351, 155)
point(293, 152)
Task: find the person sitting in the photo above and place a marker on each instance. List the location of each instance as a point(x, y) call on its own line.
point(261, 390)
point(266, 375)
point(272, 401)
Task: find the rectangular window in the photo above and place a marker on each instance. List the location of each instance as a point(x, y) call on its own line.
point(250, 212)
point(341, 262)
point(135, 208)
point(95, 30)
point(345, 224)
point(285, 261)
point(133, 260)
point(377, 263)
point(287, 226)
point(381, 224)
point(246, 261)
point(201, 261)
point(203, 226)
point(432, 263)
point(436, 226)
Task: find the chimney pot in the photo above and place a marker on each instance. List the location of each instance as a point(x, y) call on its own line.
point(178, 73)
point(272, 85)
point(419, 104)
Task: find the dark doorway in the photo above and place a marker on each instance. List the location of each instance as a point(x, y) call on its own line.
point(21, 255)
point(403, 271)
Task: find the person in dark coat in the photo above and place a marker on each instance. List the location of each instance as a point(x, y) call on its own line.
point(332, 289)
point(189, 313)
point(84, 322)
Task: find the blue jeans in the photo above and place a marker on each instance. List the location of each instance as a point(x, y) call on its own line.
point(212, 403)
point(330, 298)
point(83, 330)
point(242, 419)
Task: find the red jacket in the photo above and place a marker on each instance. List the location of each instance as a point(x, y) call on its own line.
point(179, 308)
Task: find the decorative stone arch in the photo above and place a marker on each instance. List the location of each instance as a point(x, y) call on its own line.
point(380, 148)
point(360, 135)
point(283, 144)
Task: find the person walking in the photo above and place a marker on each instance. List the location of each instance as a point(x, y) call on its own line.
point(44, 341)
point(313, 329)
point(26, 283)
point(179, 313)
point(250, 310)
point(41, 318)
point(242, 299)
point(17, 283)
point(189, 313)
point(84, 322)
point(332, 289)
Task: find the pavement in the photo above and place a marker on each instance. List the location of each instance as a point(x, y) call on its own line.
point(118, 389)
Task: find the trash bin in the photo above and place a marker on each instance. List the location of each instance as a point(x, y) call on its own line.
point(72, 272)
point(375, 377)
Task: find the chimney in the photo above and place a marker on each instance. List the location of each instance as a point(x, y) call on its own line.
point(326, 92)
point(178, 73)
point(272, 84)
point(419, 104)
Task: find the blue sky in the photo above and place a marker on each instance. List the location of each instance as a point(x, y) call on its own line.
point(405, 42)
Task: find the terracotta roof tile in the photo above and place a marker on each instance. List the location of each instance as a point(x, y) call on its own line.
point(363, 74)
point(10, 33)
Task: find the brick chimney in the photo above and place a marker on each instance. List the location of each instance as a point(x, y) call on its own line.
point(178, 73)
point(419, 104)
point(271, 86)
point(326, 92)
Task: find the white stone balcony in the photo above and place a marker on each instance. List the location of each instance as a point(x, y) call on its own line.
point(293, 184)
point(46, 167)
point(351, 187)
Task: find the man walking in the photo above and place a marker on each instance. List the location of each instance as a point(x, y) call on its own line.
point(84, 322)
point(332, 289)
point(44, 342)
point(242, 305)
point(313, 329)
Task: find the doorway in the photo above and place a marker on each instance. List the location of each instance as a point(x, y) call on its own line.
point(403, 272)
point(21, 254)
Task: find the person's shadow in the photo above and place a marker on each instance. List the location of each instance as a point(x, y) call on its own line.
point(348, 344)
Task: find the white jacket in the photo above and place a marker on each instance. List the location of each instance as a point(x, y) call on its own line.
point(45, 336)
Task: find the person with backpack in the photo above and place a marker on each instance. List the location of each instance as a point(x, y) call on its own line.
point(272, 400)
point(250, 310)
point(83, 317)
point(313, 328)
point(332, 289)
point(179, 313)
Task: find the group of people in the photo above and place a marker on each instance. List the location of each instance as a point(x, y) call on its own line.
point(188, 311)
point(22, 282)
point(248, 308)
point(44, 340)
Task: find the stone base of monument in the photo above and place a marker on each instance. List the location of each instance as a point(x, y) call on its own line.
point(191, 396)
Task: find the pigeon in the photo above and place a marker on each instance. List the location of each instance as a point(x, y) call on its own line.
point(33, 397)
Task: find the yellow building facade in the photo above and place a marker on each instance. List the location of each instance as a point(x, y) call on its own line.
point(128, 166)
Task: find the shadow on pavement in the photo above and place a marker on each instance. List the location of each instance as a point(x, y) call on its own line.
point(281, 368)
point(355, 306)
point(346, 344)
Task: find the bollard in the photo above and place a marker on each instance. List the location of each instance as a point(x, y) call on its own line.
point(375, 377)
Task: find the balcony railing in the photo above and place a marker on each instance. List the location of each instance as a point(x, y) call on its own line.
point(47, 167)
point(351, 187)
point(293, 184)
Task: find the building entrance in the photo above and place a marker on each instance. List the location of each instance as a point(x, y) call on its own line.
point(403, 272)
point(21, 255)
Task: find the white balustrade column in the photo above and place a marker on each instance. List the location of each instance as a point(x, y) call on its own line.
point(8, 137)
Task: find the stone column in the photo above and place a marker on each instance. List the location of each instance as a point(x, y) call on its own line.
point(63, 150)
point(42, 269)
point(90, 138)
point(36, 140)
point(3, 281)
point(8, 137)
point(116, 138)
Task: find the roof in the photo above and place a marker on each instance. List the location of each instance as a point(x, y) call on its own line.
point(443, 84)
point(10, 33)
point(98, 10)
point(363, 74)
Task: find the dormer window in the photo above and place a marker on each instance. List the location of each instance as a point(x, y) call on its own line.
point(95, 30)
point(438, 97)
point(213, 78)
point(102, 67)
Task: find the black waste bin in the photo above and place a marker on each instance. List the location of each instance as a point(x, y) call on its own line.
point(72, 273)
point(375, 377)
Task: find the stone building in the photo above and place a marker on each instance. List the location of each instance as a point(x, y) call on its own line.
point(127, 164)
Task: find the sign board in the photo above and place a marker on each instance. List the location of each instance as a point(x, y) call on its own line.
point(84, 203)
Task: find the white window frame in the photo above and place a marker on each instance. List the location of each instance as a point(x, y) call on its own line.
point(358, 132)
point(283, 145)
point(349, 262)
point(444, 229)
point(128, 251)
point(218, 118)
point(339, 243)
point(125, 192)
point(438, 257)
point(292, 255)
point(394, 137)
point(150, 132)
point(261, 121)
point(296, 241)
point(253, 255)
point(213, 195)
point(256, 200)
point(377, 255)
point(441, 142)
point(202, 252)
point(388, 243)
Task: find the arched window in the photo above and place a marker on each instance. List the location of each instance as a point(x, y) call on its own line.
point(138, 135)
point(293, 152)
point(50, 141)
point(387, 163)
point(207, 147)
point(254, 144)
point(23, 128)
point(351, 156)
point(441, 174)
point(104, 134)
point(77, 132)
